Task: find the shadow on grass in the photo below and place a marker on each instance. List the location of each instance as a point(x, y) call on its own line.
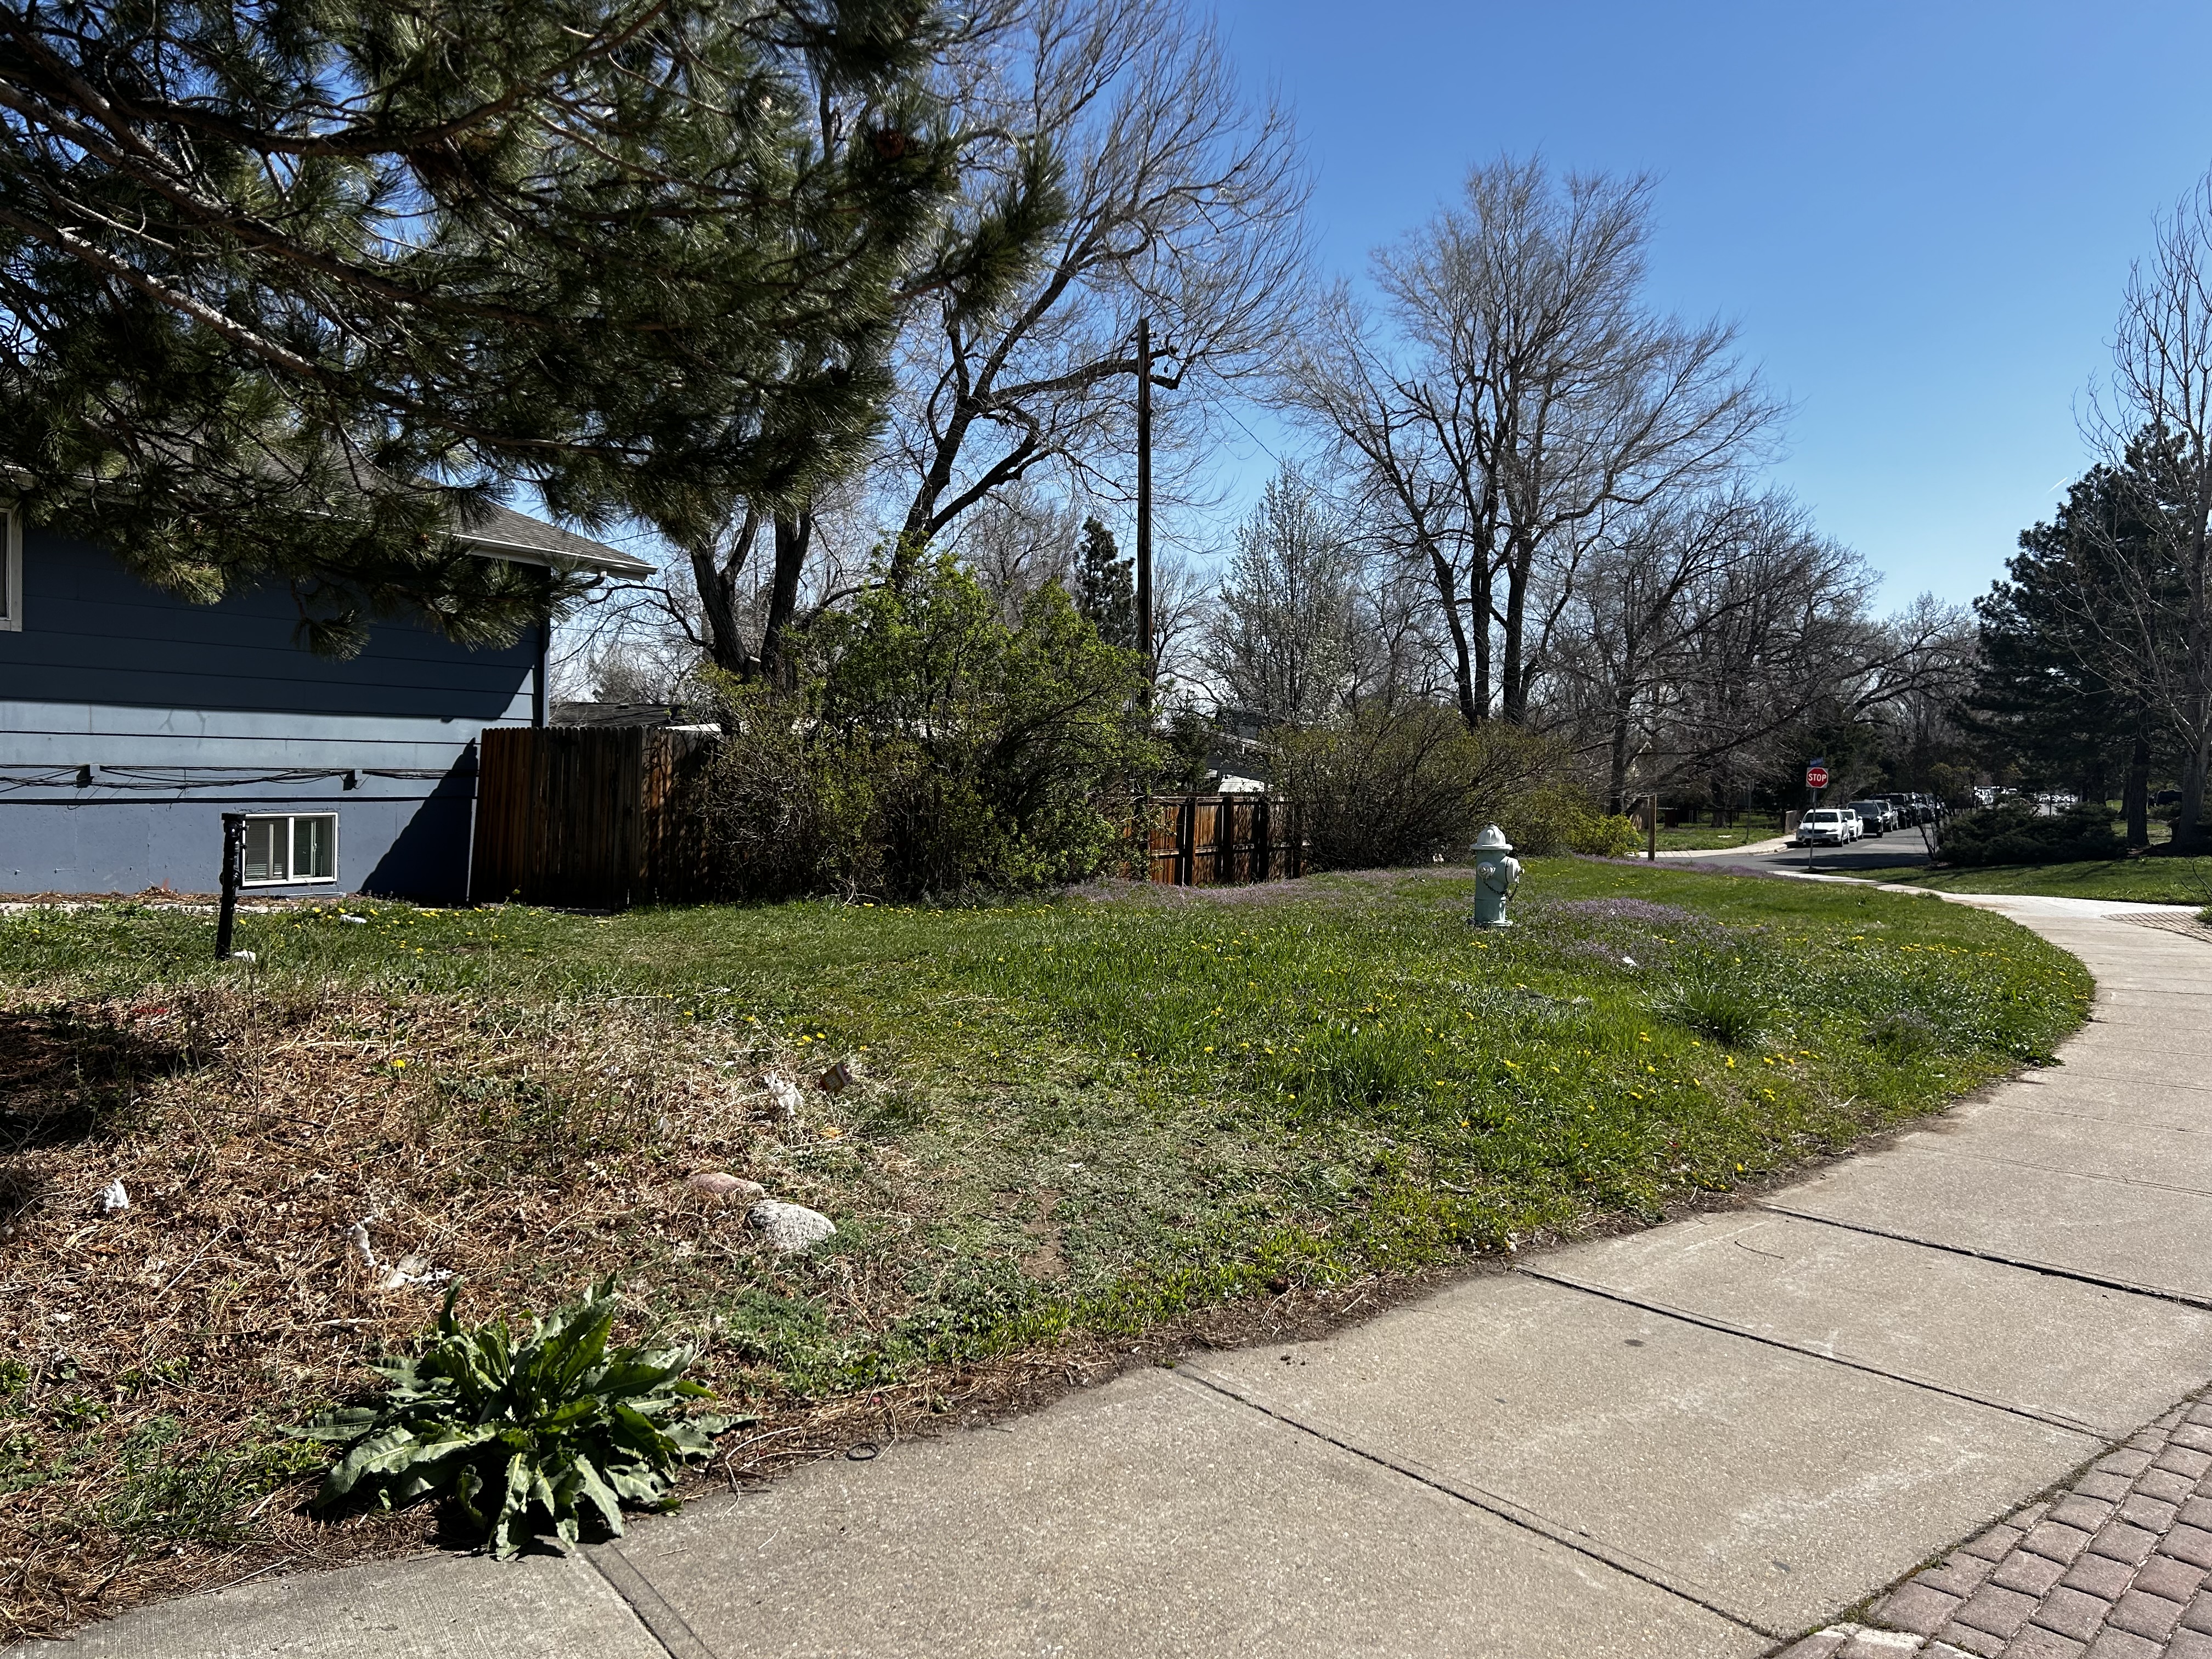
point(66, 1073)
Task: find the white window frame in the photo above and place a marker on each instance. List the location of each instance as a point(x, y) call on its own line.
point(291, 845)
point(11, 570)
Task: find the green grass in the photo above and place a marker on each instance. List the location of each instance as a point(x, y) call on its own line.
point(2162, 880)
point(1088, 1121)
point(1704, 837)
point(1095, 1117)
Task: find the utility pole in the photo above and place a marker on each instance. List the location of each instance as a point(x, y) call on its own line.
point(1145, 494)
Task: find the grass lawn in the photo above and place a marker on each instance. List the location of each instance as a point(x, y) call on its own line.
point(2151, 881)
point(1703, 837)
point(1110, 1121)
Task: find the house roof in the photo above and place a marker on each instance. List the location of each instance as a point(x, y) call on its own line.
point(504, 533)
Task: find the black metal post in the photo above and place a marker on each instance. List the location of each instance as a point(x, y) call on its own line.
point(233, 857)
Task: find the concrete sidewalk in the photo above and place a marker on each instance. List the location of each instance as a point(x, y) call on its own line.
point(1708, 1438)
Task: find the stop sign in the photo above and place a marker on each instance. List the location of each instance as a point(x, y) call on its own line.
point(1816, 777)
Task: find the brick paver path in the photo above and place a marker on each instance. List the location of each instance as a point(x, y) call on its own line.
point(2110, 1570)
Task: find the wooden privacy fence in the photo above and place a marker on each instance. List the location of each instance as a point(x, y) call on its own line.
point(1219, 841)
point(596, 817)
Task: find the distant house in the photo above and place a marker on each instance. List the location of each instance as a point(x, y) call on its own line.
point(130, 721)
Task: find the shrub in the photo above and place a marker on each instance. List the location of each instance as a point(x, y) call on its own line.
point(522, 1435)
point(1382, 787)
point(1555, 816)
point(1612, 835)
point(929, 747)
point(2012, 832)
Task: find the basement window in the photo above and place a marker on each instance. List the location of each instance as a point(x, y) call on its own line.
point(291, 847)
point(11, 569)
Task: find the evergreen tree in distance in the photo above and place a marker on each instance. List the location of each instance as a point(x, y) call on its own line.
point(289, 290)
point(1105, 587)
point(2068, 670)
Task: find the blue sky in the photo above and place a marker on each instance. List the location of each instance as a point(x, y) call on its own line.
point(1919, 215)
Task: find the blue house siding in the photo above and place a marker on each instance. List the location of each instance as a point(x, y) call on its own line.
point(130, 721)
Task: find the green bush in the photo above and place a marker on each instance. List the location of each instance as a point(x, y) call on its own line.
point(2012, 832)
point(1549, 818)
point(523, 1435)
point(1381, 786)
point(929, 748)
point(1611, 835)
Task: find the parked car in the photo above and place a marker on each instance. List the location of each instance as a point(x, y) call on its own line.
point(1827, 826)
point(1879, 816)
point(1909, 815)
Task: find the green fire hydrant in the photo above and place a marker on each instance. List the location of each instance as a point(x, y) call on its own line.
point(1497, 872)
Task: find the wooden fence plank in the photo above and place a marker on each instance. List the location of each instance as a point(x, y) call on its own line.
point(1216, 840)
point(604, 817)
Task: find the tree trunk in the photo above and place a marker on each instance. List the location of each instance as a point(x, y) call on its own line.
point(2196, 671)
point(1478, 609)
point(921, 513)
point(1513, 673)
point(2136, 794)
point(1447, 581)
point(717, 587)
point(1621, 752)
point(2188, 829)
point(794, 532)
point(716, 580)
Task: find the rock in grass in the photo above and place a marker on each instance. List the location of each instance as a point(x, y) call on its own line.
point(114, 1197)
point(790, 1227)
point(717, 1183)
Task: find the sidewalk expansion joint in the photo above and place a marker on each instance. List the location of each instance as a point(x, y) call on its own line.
point(2086, 1117)
point(2074, 1068)
point(1490, 1503)
point(662, 1622)
point(2049, 1269)
point(1919, 1149)
point(2050, 1419)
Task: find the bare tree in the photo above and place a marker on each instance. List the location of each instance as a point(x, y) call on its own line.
point(2154, 421)
point(1280, 644)
point(1343, 379)
point(1173, 198)
point(1701, 630)
point(1183, 604)
point(1523, 393)
point(1019, 539)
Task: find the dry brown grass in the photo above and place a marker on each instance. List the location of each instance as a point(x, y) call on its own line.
point(164, 1347)
point(522, 1152)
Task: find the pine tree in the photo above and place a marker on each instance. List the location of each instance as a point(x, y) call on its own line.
point(289, 290)
point(1105, 587)
point(2060, 692)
